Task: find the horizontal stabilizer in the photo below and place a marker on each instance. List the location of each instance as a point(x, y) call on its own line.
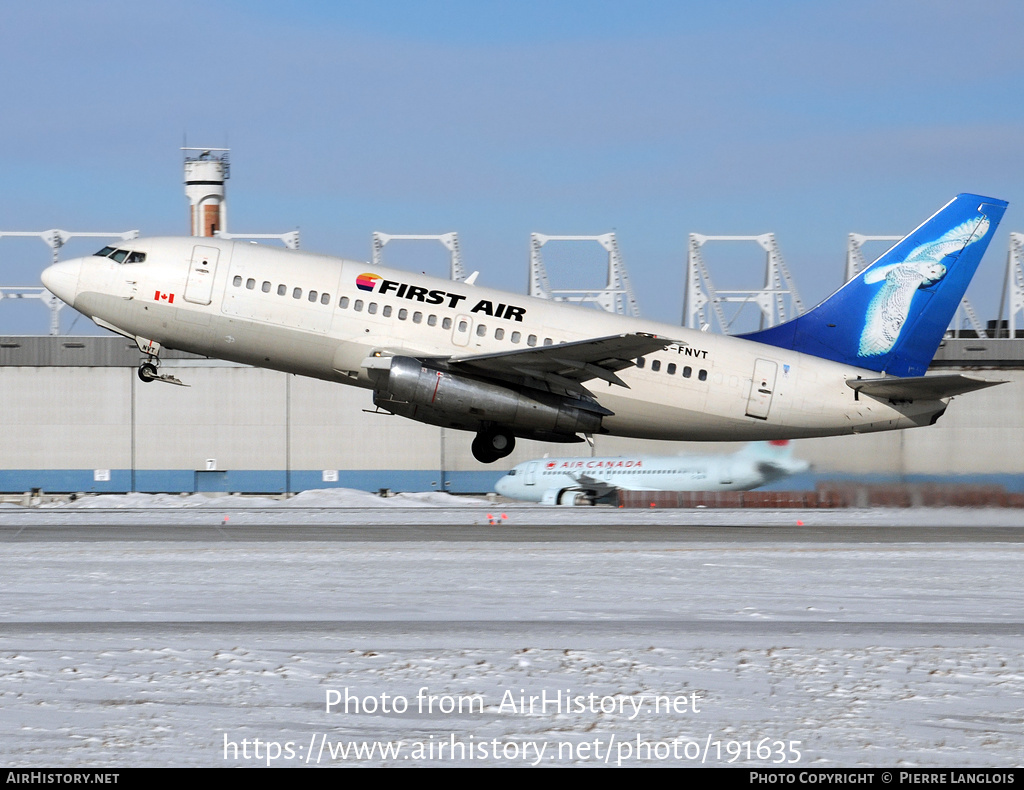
point(920, 387)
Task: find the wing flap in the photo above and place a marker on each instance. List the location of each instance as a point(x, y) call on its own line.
point(576, 362)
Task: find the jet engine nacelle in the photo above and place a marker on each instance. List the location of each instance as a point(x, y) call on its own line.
point(554, 496)
point(407, 387)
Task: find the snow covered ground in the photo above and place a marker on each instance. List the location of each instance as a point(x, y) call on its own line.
point(218, 650)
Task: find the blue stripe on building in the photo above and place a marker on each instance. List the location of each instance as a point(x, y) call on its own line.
point(246, 481)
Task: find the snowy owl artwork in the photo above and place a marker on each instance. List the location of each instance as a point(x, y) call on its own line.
point(890, 307)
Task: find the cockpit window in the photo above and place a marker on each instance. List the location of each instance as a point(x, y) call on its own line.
point(121, 256)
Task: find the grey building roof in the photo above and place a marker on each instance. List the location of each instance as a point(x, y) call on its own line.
point(114, 351)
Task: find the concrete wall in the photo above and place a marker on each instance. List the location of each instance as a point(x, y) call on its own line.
point(233, 428)
point(270, 432)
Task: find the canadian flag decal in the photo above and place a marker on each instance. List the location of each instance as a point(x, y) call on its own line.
point(160, 297)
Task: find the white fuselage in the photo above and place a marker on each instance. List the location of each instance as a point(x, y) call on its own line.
point(547, 479)
point(306, 314)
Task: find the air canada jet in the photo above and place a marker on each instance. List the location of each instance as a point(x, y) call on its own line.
point(503, 366)
point(579, 481)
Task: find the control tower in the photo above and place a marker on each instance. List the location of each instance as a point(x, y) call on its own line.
point(206, 170)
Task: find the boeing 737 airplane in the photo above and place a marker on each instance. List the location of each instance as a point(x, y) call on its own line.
point(578, 481)
point(504, 366)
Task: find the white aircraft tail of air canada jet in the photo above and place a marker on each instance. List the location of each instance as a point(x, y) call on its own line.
point(503, 366)
point(578, 481)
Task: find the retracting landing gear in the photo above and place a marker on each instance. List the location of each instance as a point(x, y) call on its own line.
point(148, 370)
point(492, 445)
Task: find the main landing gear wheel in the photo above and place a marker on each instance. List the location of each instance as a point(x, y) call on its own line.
point(147, 371)
point(489, 446)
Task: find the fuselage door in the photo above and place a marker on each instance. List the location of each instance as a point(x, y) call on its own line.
point(201, 272)
point(762, 387)
point(462, 330)
point(531, 473)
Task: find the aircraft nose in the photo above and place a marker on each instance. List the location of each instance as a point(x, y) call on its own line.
point(499, 487)
point(61, 279)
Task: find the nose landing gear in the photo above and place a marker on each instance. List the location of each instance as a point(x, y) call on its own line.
point(148, 372)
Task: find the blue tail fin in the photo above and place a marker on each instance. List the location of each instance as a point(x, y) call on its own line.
point(891, 317)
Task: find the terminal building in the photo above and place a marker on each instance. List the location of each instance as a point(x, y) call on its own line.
point(76, 417)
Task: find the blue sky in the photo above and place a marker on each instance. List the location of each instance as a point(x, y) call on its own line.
point(495, 119)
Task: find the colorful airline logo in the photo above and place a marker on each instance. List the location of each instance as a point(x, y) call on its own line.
point(418, 293)
point(163, 297)
point(890, 307)
point(607, 463)
point(366, 281)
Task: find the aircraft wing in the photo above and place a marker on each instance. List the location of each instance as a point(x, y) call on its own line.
point(567, 364)
point(588, 483)
point(920, 387)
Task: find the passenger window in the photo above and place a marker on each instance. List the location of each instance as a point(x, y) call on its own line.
point(516, 337)
point(463, 326)
point(297, 293)
point(655, 365)
point(250, 283)
point(371, 308)
point(417, 317)
point(282, 289)
point(671, 369)
point(266, 286)
point(357, 305)
point(499, 333)
point(687, 372)
point(431, 320)
point(640, 362)
point(325, 299)
point(402, 314)
point(237, 281)
point(446, 323)
point(387, 311)
point(343, 303)
point(531, 340)
point(547, 341)
point(481, 330)
point(703, 375)
point(313, 295)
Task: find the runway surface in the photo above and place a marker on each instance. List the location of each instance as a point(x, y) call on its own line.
point(420, 636)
